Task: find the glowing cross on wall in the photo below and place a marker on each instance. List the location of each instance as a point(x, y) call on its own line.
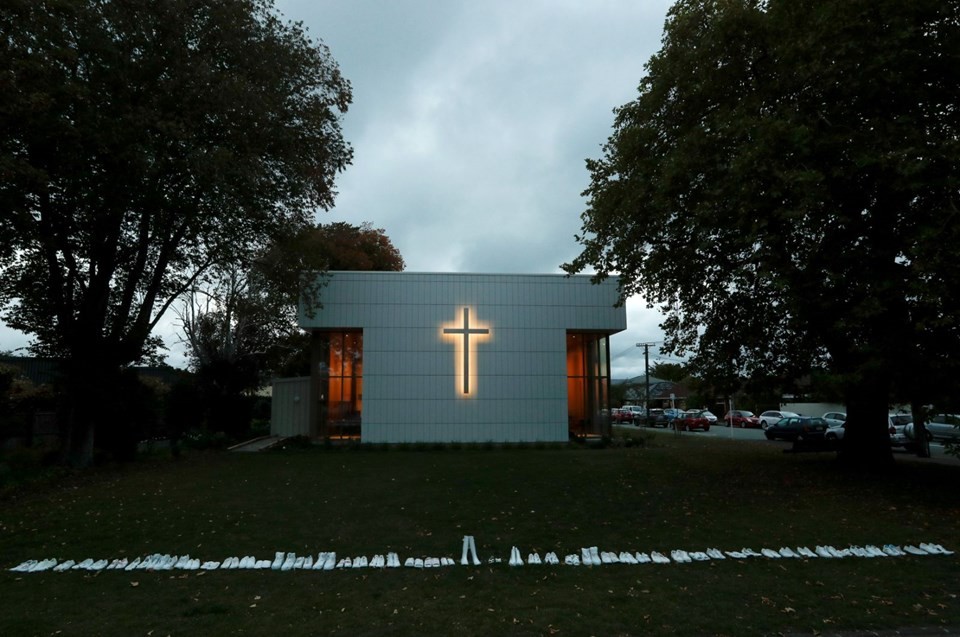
point(463, 345)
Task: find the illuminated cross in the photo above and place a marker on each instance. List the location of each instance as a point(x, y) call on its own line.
point(466, 331)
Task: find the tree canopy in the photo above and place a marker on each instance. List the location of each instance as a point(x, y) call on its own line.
point(141, 144)
point(785, 189)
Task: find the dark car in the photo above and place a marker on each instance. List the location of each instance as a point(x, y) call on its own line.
point(741, 418)
point(657, 418)
point(797, 428)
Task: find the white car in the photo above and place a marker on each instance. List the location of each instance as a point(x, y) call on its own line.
point(897, 424)
point(769, 418)
point(835, 425)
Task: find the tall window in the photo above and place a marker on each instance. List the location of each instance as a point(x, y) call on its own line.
point(588, 383)
point(338, 371)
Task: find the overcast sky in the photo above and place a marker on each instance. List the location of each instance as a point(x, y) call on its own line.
point(471, 122)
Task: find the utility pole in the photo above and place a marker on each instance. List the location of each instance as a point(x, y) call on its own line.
point(646, 376)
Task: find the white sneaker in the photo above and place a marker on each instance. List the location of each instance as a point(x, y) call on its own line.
point(62, 566)
point(99, 565)
point(331, 561)
point(699, 556)
point(534, 558)
point(737, 555)
point(786, 551)
point(393, 560)
point(606, 557)
point(595, 556)
point(277, 561)
point(805, 552)
point(893, 551)
point(263, 564)
point(418, 563)
point(912, 550)
point(572, 560)
point(627, 558)
point(716, 554)
point(750, 552)
point(770, 553)
point(658, 558)
point(210, 566)
point(551, 558)
point(586, 558)
point(823, 552)
point(679, 556)
point(643, 558)
point(410, 562)
point(466, 548)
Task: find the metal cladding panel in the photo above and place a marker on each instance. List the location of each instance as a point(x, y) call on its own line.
point(517, 370)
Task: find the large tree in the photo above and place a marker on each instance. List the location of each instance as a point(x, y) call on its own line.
point(141, 144)
point(785, 188)
point(240, 322)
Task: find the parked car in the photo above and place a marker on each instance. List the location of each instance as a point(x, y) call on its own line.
point(797, 429)
point(709, 415)
point(741, 418)
point(630, 414)
point(836, 425)
point(693, 419)
point(657, 419)
point(941, 427)
point(896, 425)
point(772, 417)
point(835, 418)
point(670, 413)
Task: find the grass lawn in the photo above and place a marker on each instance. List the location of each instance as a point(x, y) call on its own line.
point(684, 492)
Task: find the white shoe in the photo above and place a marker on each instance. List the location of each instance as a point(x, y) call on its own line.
point(912, 550)
point(699, 556)
point(770, 553)
point(298, 562)
point(277, 561)
point(716, 554)
point(288, 563)
point(823, 552)
point(409, 562)
point(659, 558)
point(750, 552)
point(99, 565)
point(805, 552)
point(595, 556)
point(572, 560)
point(393, 560)
point(534, 558)
point(473, 551)
point(606, 557)
point(737, 555)
point(786, 551)
point(210, 566)
point(551, 558)
point(679, 556)
point(418, 563)
point(263, 564)
point(62, 566)
point(893, 551)
point(586, 558)
point(643, 558)
point(627, 558)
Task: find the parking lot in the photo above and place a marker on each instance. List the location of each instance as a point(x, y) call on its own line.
point(756, 436)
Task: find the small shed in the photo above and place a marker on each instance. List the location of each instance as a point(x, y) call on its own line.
point(290, 409)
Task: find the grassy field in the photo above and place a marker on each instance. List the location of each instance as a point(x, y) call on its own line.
point(684, 492)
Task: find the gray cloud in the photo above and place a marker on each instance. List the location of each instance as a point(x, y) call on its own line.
point(471, 123)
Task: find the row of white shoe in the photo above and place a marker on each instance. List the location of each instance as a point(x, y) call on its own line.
point(591, 556)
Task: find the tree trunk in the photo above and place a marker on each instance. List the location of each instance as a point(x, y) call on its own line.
point(87, 397)
point(866, 440)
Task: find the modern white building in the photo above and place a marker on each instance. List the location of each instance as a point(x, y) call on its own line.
point(422, 357)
